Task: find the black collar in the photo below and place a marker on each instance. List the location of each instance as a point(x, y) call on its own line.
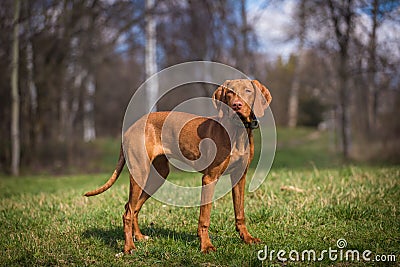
point(254, 124)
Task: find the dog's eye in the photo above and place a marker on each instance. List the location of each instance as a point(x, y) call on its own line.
point(248, 91)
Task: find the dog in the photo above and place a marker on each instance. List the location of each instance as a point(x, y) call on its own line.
point(244, 100)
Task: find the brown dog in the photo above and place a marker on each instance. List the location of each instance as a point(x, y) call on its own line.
point(244, 98)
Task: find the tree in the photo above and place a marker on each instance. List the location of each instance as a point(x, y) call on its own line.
point(341, 15)
point(361, 60)
point(150, 53)
point(295, 87)
point(333, 21)
point(15, 135)
point(379, 11)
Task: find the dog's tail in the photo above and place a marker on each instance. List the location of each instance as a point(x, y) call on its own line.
point(113, 178)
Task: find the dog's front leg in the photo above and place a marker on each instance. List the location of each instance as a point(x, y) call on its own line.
point(207, 193)
point(238, 205)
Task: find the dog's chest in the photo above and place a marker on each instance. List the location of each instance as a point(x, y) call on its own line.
point(240, 153)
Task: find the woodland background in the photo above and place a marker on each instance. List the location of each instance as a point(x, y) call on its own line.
point(68, 69)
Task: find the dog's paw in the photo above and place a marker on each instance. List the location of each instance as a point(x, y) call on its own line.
point(251, 240)
point(207, 248)
point(129, 249)
point(119, 255)
point(141, 237)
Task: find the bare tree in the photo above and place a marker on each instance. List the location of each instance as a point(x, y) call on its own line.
point(15, 135)
point(150, 51)
point(294, 92)
point(245, 37)
point(373, 100)
point(379, 12)
point(341, 15)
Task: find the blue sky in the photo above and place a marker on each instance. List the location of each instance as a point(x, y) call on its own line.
point(271, 24)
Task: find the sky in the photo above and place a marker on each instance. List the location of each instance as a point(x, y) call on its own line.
point(271, 24)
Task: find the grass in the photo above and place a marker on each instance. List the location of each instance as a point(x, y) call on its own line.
point(46, 221)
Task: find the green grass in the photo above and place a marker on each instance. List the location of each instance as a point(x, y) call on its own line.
point(304, 148)
point(46, 221)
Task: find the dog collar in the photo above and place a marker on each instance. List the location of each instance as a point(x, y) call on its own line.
point(254, 124)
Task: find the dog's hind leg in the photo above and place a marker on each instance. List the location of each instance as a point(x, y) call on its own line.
point(156, 179)
point(135, 191)
point(134, 194)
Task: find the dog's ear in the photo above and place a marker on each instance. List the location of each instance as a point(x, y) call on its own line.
point(262, 99)
point(219, 95)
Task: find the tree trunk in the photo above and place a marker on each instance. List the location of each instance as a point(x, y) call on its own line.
point(293, 106)
point(344, 105)
point(294, 92)
point(15, 135)
point(341, 15)
point(32, 94)
point(294, 97)
point(150, 55)
point(373, 88)
point(89, 129)
point(245, 60)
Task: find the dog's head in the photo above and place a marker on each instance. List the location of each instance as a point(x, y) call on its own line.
point(244, 97)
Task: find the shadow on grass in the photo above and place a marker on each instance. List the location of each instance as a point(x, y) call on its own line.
point(110, 237)
point(158, 232)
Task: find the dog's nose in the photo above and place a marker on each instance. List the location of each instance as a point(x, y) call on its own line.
point(237, 105)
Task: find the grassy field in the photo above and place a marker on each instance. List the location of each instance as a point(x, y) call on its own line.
point(46, 221)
